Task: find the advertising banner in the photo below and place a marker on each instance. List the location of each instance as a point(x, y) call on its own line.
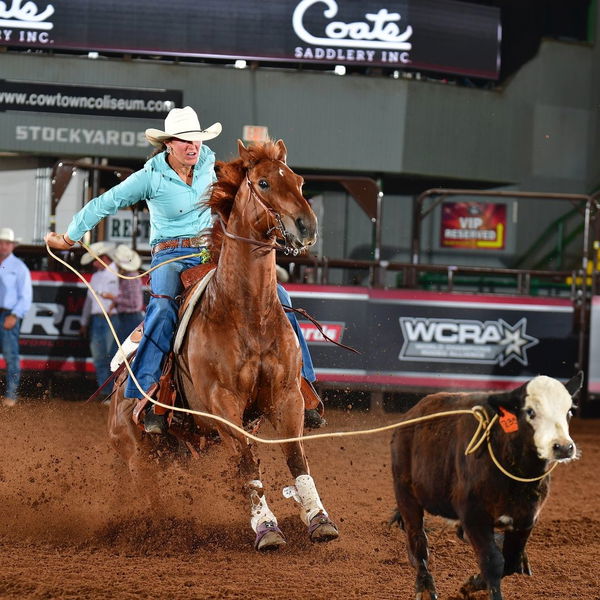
point(445, 36)
point(50, 339)
point(404, 339)
point(594, 354)
point(477, 225)
point(435, 340)
point(87, 100)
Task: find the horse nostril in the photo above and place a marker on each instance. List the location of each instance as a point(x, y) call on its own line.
point(301, 227)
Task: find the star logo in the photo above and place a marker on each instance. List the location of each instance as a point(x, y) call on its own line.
point(515, 342)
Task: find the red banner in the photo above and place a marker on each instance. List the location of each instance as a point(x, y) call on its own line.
point(479, 225)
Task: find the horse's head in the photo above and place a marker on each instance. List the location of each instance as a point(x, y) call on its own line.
point(279, 190)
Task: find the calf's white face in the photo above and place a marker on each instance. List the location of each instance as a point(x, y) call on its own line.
point(547, 408)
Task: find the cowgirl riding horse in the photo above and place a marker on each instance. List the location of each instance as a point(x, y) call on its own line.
point(175, 183)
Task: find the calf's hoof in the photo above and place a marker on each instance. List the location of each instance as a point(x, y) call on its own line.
point(322, 529)
point(426, 595)
point(425, 587)
point(474, 584)
point(268, 537)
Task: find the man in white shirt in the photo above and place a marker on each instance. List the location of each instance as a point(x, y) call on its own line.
point(15, 301)
point(93, 323)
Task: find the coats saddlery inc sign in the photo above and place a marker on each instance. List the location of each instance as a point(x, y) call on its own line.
point(445, 36)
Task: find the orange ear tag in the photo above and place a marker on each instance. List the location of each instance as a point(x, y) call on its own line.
point(508, 421)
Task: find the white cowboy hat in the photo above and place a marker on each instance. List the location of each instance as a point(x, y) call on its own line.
point(126, 258)
point(99, 249)
point(8, 235)
point(182, 123)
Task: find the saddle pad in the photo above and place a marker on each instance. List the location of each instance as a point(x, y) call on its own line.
point(194, 296)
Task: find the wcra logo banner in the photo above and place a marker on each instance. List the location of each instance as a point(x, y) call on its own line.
point(415, 338)
point(489, 342)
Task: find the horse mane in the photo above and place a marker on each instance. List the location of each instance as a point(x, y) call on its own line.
point(230, 176)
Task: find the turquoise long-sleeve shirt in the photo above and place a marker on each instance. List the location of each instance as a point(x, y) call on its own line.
point(176, 208)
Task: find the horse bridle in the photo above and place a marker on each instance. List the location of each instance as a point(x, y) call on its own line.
point(280, 226)
point(285, 249)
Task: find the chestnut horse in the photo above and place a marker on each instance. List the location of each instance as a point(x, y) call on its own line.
point(240, 355)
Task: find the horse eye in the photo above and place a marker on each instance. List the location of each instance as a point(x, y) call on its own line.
point(263, 184)
point(569, 414)
point(530, 413)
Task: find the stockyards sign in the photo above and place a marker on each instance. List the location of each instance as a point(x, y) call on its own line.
point(435, 35)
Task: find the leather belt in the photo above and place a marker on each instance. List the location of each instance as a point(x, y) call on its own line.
point(193, 242)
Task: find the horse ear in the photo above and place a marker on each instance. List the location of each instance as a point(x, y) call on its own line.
point(244, 154)
point(282, 151)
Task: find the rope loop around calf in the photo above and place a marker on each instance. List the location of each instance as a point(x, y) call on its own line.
point(483, 433)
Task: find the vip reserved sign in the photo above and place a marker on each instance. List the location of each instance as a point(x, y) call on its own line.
point(437, 35)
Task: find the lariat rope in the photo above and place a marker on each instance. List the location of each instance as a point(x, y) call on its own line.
point(482, 432)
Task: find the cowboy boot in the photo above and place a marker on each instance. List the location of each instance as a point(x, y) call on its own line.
point(313, 406)
point(155, 419)
point(154, 423)
point(145, 413)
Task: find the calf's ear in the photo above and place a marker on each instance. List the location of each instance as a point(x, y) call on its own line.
point(512, 401)
point(574, 384)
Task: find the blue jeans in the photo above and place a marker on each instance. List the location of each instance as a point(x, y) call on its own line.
point(161, 321)
point(161, 318)
point(101, 346)
point(308, 371)
point(9, 339)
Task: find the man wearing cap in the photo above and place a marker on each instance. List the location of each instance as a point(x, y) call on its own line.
point(15, 301)
point(105, 284)
point(175, 183)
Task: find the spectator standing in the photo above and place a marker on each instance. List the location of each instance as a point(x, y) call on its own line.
point(105, 284)
point(15, 301)
point(129, 304)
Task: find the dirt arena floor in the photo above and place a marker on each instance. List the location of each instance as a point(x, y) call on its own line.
point(72, 528)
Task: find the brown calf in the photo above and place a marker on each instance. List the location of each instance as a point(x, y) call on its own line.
point(432, 473)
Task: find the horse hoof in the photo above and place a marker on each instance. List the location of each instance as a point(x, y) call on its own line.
point(322, 529)
point(268, 537)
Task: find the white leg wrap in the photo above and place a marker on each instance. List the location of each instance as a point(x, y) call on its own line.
point(259, 510)
point(305, 493)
